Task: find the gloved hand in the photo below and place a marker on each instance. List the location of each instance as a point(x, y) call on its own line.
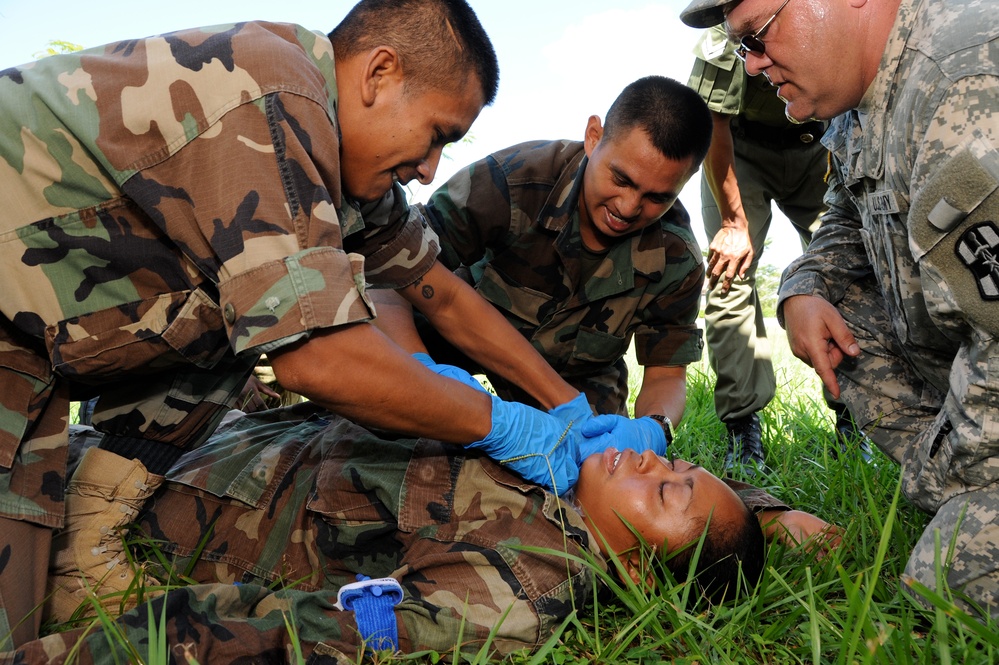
point(535, 444)
point(450, 371)
point(574, 412)
point(606, 431)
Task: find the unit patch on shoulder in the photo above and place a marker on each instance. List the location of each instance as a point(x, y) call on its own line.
point(978, 249)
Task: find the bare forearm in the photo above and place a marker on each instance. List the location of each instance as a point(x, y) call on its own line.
point(473, 325)
point(719, 171)
point(357, 372)
point(664, 391)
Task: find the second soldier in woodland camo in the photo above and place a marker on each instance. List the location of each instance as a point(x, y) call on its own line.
point(584, 247)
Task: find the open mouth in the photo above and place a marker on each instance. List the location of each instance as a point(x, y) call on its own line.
point(615, 462)
point(617, 224)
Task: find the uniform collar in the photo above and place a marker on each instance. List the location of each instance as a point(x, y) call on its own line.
point(878, 97)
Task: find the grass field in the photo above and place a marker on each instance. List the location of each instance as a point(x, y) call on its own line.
point(845, 608)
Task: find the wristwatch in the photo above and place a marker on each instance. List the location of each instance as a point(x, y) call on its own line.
point(667, 425)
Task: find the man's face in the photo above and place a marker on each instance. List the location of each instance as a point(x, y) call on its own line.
point(402, 135)
point(628, 184)
point(809, 56)
point(667, 502)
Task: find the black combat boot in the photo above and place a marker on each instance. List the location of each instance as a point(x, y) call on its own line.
point(744, 444)
point(849, 437)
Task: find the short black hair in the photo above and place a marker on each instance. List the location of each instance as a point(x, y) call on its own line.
point(728, 552)
point(439, 42)
point(675, 117)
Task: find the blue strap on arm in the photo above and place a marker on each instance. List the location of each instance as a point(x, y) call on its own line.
point(373, 603)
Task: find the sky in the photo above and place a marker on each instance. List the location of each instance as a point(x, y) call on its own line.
point(561, 61)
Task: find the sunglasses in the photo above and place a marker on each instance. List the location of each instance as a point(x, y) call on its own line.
point(753, 43)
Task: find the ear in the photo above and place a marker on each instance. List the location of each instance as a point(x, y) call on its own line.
point(380, 71)
point(594, 132)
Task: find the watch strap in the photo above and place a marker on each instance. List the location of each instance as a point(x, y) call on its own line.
point(667, 426)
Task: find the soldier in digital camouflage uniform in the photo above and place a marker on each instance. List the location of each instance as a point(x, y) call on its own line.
point(757, 158)
point(177, 205)
point(896, 302)
point(300, 498)
point(533, 226)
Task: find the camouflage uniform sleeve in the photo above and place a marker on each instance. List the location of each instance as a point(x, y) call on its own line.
point(668, 333)
point(836, 256)
point(470, 213)
point(756, 499)
point(718, 75)
point(954, 235)
point(398, 245)
point(271, 239)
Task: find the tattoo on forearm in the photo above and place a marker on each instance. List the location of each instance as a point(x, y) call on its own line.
point(428, 292)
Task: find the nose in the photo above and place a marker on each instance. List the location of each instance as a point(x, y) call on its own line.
point(427, 168)
point(755, 64)
point(631, 204)
point(649, 461)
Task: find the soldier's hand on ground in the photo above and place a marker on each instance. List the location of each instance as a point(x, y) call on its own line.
point(535, 444)
point(796, 527)
point(729, 254)
point(612, 431)
point(818, 335)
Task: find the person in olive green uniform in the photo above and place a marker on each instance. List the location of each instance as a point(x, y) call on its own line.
point(584, 247)
point(757, 157)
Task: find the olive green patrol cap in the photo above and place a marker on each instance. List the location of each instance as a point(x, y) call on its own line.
point(706, 13)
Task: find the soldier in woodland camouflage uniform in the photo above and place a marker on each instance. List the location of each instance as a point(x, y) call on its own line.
point(896, 302)
point(583, 246)
point(177, 205)
point(300, 498)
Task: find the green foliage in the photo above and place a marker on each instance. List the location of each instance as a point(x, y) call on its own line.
point(56, 47)
point(767, 281)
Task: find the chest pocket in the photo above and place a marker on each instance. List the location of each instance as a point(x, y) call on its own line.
point(139, 337)
point(521, 302)
point(594, 347)
point(258, 457)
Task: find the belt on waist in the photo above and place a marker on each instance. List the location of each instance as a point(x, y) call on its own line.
point(787, 137)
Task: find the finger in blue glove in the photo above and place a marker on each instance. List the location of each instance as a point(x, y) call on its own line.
point(610, 431)
point(574, 412)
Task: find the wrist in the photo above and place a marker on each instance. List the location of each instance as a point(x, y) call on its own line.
point(667, 426)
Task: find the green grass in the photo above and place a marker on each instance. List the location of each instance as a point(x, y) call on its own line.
point(846, 608)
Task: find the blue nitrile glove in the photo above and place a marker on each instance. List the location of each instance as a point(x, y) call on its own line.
point(450, 371)
point(574, 412)
point(612, 431)
point(536, 445)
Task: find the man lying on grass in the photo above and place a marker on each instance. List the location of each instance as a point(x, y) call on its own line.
point(284, 508)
